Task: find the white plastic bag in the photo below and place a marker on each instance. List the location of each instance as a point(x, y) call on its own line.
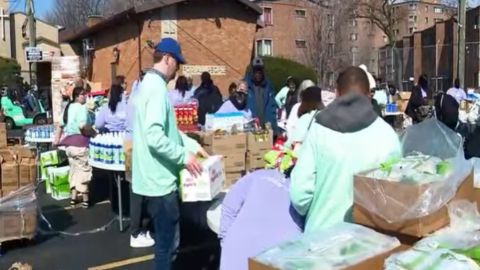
point(432, 138)
point(339, 247)
point(464, 217)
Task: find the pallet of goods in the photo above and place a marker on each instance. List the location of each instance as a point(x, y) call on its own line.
point(187, 118)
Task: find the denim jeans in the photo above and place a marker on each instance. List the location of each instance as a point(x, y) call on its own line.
point(164, 212)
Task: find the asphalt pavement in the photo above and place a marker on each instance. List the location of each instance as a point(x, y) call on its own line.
point(109, 248)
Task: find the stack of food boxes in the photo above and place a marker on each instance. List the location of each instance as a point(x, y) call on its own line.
point(186, 115)
point(55, 173)
point(18, 204)
point(258, 144)
point(232, 147)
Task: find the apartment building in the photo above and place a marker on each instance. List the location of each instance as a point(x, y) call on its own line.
point(289, 28)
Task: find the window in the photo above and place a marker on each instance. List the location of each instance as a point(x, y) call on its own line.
point(353, 37)
point(330, 20)
point(330, 50)
point(412, 18)
point(413, 6)
point(385, 39)
point(300, 13)
point(354, 23)
point(438, 20)
point(438, 10)
point(267, 17)
point(396, 32)
point(426, 20)
point(426, 8)
point(300, 43)
point(264, 47)
point(411, 30)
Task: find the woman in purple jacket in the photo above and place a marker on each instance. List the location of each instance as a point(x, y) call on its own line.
point(252, 222)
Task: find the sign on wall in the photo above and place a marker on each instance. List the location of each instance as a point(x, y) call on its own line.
point(190, 70)
point(36, 54)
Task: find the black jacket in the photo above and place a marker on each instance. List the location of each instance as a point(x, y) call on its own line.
point(472, 145)
point(209, 101)
point(416, 100)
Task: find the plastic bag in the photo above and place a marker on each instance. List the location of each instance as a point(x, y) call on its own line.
point(390, 201)
point(476, 170)
point(339, 247)
point(452, 251)
point(19, 210)
point(464, 217)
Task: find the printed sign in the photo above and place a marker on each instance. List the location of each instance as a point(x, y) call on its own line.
point(189, 70)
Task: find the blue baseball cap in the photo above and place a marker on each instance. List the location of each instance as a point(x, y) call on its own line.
point(170, 46)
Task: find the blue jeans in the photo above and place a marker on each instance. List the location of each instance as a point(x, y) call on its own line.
point(164, 212)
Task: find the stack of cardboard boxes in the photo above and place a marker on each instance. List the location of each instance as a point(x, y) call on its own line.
point(241, 152)
point(233, 148)
point(18, 216)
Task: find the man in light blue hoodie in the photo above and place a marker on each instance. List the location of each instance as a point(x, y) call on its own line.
point(346, 138)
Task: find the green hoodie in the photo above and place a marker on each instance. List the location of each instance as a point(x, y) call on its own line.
point(346, 138)
point(159, 148)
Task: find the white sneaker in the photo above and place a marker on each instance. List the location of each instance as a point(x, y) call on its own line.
point(142, 240)
point(149, 236)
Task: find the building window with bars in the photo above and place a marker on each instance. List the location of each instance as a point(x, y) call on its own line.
point(301, 43)
point(300, 13)
point(267, 16)
point(264, 47)
point(438, 10)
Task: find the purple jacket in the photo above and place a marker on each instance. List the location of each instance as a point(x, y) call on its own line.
point(252, 222)
point(114, 122)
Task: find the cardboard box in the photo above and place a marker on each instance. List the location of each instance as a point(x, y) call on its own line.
point(255, 161)
point(234, 162)
point(225, 145)
point(407, 194)
point(9, 170)
point(260, 143)
point(206, 186)
point(3, 135)
point(231, 178)
point(17, 225)
point(374, 263)
point(404, 95)
point(27, 166)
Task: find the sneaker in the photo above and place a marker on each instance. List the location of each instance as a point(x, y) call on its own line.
point(149, 236)
point(141, 241)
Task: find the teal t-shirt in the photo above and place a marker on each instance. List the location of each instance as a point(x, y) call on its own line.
point(77, 118)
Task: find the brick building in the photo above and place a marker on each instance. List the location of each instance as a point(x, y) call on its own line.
point(434, 52)
point(288, 28)
point(216, 36)
point(416, 15)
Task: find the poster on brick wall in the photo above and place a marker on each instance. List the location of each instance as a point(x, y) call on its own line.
point(65, 72)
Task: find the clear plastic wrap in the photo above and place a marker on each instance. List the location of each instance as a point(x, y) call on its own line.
point(452, 251)
point(476, 170)
point(464, 217)
point(401, 201)
point(337, 248)
point(18, 214)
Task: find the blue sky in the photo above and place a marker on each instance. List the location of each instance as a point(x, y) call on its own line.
point(41, 6)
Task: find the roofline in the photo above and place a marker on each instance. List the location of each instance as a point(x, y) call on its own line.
point(85, 31)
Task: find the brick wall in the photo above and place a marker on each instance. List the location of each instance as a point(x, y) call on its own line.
point(210, 33)
point(287, 27)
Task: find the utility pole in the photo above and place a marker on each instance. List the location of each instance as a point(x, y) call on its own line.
point(32, 38)
point(462, 13)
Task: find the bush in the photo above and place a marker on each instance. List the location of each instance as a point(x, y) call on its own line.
point(9, 71)
point(278, 69)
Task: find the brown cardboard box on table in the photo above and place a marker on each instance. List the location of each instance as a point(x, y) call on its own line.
point(231, 178)
point(375, 263)
point(27, 166)
point(255, 161)
point(9, 170)
point(14, 225)
point(259, 143)
point(407, 194)
point(3, 135)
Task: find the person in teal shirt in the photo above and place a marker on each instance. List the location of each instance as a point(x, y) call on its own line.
point(160, 151)
point(346, 138)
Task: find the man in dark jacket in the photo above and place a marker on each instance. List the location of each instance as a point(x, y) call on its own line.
point(418, 99)
point(261, 97)
point(208, 96)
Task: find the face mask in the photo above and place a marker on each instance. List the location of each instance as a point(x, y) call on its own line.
point(239, 100)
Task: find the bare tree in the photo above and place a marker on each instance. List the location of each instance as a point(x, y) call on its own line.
point(73, 14)
point(329, 49)
point(385, 16)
